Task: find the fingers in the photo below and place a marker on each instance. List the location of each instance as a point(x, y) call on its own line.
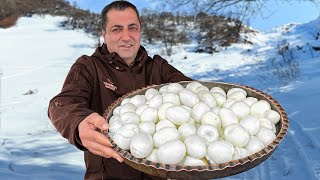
point(104, 151)
point(87, 133)
point(94, 140)
point(100, 138)
point(98, 121)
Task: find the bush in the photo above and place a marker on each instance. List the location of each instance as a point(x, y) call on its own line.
point(8, 21)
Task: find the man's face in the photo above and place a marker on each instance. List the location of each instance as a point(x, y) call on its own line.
point(122, 33)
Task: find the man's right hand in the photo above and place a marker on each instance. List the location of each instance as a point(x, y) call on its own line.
point(94, 140)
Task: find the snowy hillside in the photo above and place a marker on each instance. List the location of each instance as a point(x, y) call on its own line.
point(36, 55)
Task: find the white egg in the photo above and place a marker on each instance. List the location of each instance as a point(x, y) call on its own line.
point(156, 101)
point(190, 161)
point(174, 88)
point(202, 92)
point(172, 152)
point(212, 119)
point(219, 97)
point(272, 115)
point(186, 129)
point(233, 90)
point(164, 135)
point(193, 86)
point(147, 127)
point(114, 127)
point(251, 124)
point(171, 98)
point(124, 135)
point(236, 135)
point(240, 109)
point(116, 111)
point(188, 98)
point(220, 151)
point(266, 123)
point(125, 101)
point(258, 108)
point(208, 99)
point(141, 108)
point(149, 115)
point(228, 103)
point(196, 146)
point(208, 133)
point(237, 96)
point(138, 100)
point(150, 93)
point(128, 107)
point(178, 115)
point(254, 145)
point(130, 118)
point(199, 110)
point(141, 145)
point(218, 89)
point(162, 110)
point(266, 136)
point(114, 118)
point(250, 100)
point(163, 124)
point(201, 88)
point(153, 156)
point(240, 153)
point(227, 117)
point(163, 89)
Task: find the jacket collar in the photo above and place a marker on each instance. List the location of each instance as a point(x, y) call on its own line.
point(116, 61)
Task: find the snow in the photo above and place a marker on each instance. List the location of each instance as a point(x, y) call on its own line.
point(36, 55)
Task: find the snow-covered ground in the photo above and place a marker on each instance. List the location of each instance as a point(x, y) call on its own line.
point(36, 55)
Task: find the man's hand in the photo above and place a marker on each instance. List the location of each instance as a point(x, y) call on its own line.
point(94, 140)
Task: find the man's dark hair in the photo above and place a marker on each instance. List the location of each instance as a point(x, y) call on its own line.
point(118, 5)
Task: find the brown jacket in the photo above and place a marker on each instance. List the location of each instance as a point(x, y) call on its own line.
point(92, 84)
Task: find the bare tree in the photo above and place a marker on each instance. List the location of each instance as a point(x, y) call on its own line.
point(237, 9)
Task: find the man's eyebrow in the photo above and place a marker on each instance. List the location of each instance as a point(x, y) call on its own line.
point(116, 26)
point(133, 24)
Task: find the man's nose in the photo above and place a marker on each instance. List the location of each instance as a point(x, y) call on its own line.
point(126, 35)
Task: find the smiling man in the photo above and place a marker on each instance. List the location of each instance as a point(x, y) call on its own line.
point(94, 82)
point(121, 33)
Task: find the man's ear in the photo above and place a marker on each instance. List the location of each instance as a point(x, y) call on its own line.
point(103, 32)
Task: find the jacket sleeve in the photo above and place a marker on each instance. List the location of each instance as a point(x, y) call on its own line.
point(71, 105)
point(169, 73)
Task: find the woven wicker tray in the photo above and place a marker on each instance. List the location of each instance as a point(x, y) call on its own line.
point(214, 170)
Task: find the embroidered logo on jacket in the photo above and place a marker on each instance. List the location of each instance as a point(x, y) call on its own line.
point(109, 84)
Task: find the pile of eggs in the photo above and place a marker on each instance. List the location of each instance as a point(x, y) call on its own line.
point(193, 126)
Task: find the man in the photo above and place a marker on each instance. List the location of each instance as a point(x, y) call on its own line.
point(116, 68)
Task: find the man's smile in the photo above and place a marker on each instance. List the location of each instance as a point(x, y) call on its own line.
point(126, 46)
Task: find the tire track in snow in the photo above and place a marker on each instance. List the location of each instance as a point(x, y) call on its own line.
point(309, 149)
